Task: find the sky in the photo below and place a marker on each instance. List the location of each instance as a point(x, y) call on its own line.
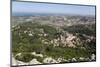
point(32, 7)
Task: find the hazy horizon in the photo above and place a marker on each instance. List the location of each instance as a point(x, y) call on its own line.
point(45, 8)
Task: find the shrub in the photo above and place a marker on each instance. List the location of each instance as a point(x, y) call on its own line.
point(25, 57)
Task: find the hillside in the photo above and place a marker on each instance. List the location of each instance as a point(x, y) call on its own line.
point(56, 42)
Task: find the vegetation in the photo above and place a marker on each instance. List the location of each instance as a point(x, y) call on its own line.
point(34, 37)
point(88, 29)
point(25, 57)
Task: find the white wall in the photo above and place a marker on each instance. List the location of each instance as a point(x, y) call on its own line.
point(5, 33)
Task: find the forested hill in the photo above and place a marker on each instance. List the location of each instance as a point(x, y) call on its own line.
point(66, 41)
